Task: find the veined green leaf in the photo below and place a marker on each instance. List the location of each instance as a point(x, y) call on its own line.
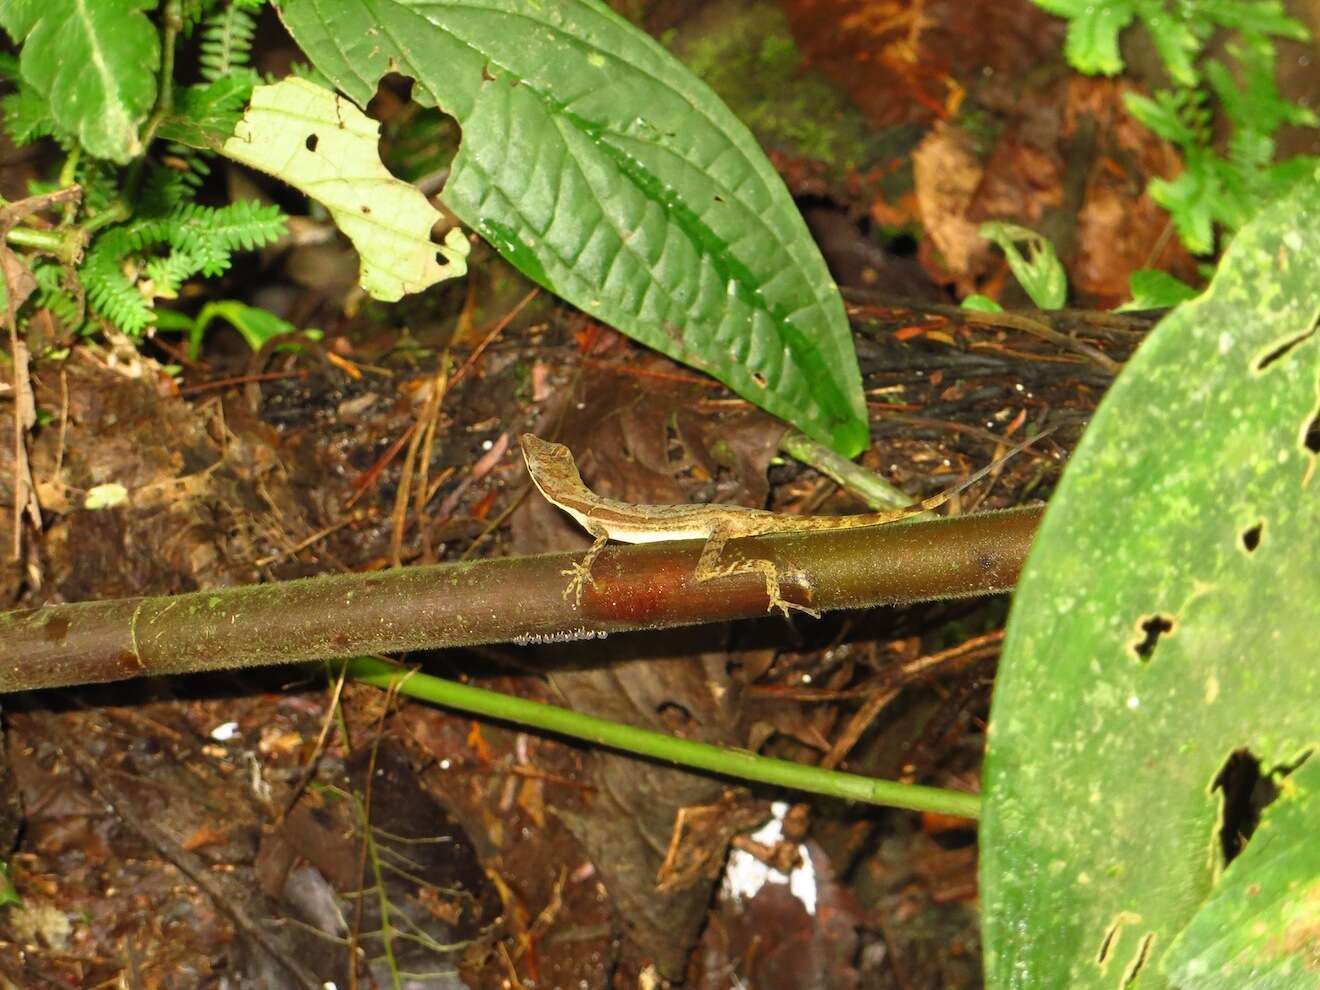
point(95, 62)
point(606, 172)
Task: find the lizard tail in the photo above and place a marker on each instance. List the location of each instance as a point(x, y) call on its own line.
point(926, 504)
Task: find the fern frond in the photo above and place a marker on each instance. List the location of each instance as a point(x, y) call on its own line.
point(226, 42)
point(168, 273)
point(164, 190)
point(1257, 104)
point(172, 182)
point(1250, 150)
point(124, 268)
point(196, 163)
point(1181, 116)
point(246, 225)
point(27, 116)
point(193, 11)
point(110, 292)
point(55, 294)
point(211, 234)
point(100, 185)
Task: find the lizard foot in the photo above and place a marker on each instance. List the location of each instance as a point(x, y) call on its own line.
point(580, 577)
point(771, 575)
point(784, 605)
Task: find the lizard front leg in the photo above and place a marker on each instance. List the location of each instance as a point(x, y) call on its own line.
point(581, 570)
point(709, 567)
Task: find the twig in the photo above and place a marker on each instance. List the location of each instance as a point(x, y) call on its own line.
point(421, 426)
point(495, 331)
point(19, 284)
point(1027, 324)
point(265, 376)
point(302, 545)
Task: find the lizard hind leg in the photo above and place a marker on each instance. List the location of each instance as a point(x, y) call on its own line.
point(579, 572)
point(709, 567)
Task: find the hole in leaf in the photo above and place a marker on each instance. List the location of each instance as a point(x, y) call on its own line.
point(1282, 350)
point(1111, 936)
point(1139, 961)
point(1110, 940)
point(312, 141)
point(485, 74)
point(1153, 627)
point(719, 198)
point(1244, 795)
point(441, 260)
point(903, 246)
point(760, 379)
point(1312, 439)
point(1103, 956)
point(674, 717)
point(1251, 537)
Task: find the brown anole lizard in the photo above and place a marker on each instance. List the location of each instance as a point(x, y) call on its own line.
point(556, 476)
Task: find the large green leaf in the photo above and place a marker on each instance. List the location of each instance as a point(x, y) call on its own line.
point(600, 167)
point(1166, 618)
point(95, 62)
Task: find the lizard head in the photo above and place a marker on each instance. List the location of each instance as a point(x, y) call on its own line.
point(552, 469)
point(534, 447)
point(543, 456)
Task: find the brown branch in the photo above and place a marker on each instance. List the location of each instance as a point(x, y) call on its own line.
point(518, 599)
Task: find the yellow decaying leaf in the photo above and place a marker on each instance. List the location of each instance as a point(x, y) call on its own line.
point(324, 146)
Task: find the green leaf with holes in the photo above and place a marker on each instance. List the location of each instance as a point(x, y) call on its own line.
point(1260, 929)
point(1166, 618)
point(599, 166)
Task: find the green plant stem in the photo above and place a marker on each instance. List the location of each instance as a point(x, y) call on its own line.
point(68, 177)
point(875, 491)
point(171, 26)
point(47, 241)
point(737, 763)
point(117, 213)
point(165, 93)
point(371, 855)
